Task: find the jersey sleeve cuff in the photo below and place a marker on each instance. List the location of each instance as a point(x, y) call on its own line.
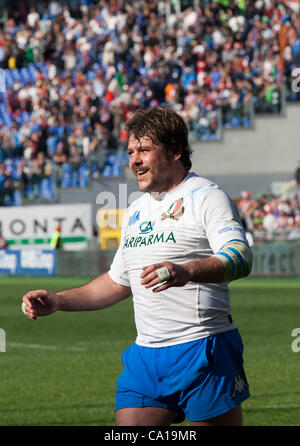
point(118, 279)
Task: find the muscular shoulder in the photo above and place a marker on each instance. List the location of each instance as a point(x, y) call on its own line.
point(205, 193)
point(198, 187)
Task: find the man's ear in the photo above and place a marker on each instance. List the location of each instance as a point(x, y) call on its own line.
point(177, 155)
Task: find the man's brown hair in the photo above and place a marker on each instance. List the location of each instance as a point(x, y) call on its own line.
point(163, 126)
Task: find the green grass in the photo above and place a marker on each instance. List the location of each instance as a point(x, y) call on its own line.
point(62, 369)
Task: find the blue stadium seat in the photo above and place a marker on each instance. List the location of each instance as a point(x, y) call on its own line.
point(117, 170)
point(74, 181)
point(107, 171)
point(17, 198)
point(67, 175)
point(236, 122)
point(15, 75)
point(111, 159)
point(8, 201)
point(246, 122)
point(83, 176)
point(66, 180)
point(46, 189)
point(29, 191)
point(67, 167)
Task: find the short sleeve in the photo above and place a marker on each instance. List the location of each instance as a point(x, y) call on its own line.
point(220, 218)
point(117, 270)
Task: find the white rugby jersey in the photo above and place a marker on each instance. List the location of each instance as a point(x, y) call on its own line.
point(193, 221)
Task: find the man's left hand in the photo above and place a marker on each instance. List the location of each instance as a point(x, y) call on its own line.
point(179, 276)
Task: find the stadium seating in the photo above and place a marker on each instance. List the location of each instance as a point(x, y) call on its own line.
point(204, 68)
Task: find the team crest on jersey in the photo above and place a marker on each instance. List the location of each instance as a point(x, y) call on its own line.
point(175, 211)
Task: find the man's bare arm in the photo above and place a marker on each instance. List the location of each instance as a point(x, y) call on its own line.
point(97, 294)
point(234, 261)
point(204, 270)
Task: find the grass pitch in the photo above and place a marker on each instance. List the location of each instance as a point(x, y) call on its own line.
point(62, 369)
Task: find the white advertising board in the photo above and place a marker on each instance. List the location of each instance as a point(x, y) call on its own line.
point(28, 226)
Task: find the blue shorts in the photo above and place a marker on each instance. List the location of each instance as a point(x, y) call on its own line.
point(198, 380)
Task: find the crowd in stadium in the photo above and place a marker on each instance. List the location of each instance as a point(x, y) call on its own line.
point(76, 70)
point(271, 217)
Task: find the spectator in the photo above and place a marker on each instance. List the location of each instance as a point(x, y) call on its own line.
point(296, 51)
point(297, 175)
point(56, 241)
point(3, 242)
point(60, 158)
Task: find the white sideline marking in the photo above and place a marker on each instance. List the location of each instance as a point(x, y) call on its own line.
point(44, 347)
point(280, 406)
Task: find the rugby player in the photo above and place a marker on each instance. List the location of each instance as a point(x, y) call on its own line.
point(182, 243)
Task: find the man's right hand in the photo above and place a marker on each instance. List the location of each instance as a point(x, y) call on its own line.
point(39, 303)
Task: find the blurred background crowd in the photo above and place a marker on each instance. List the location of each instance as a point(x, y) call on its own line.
point(72, 72)
point(269, 218)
